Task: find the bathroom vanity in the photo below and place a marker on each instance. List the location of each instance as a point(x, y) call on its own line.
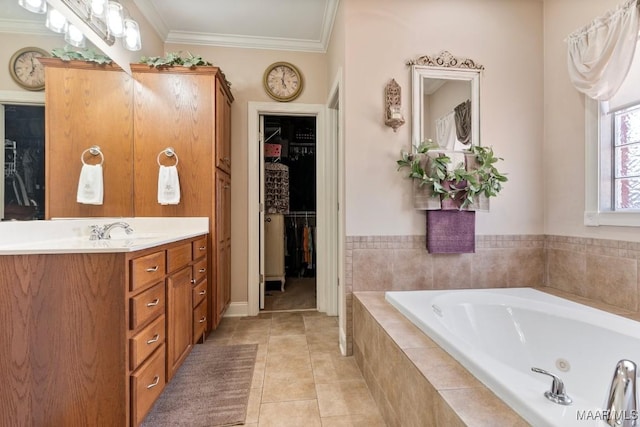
point(93, 330)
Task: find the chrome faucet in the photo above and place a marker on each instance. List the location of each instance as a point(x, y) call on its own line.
point(104, 232)
point(557, 394)
point(621, 410)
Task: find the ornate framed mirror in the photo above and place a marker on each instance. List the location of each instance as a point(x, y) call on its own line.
point(445, 101)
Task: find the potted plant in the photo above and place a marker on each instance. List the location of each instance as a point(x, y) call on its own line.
point(460, 186)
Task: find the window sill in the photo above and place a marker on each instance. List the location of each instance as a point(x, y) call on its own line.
point(618, 219)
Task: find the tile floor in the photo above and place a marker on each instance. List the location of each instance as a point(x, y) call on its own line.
point(300, 377)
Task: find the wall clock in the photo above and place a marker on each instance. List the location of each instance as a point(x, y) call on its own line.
point(283, 81)
point(26, 70)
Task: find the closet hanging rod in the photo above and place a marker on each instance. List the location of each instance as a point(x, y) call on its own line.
point(301, 213)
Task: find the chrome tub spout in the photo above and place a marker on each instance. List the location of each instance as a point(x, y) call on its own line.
point(622, 409)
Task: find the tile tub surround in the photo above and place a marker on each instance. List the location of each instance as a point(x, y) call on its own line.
point(395, 263)
point(412, 379)
point(596, 269)
point(401, 365)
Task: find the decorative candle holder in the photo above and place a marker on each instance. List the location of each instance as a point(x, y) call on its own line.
point(393, 102)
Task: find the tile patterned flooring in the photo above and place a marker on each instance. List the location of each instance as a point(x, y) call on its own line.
point(300, 377)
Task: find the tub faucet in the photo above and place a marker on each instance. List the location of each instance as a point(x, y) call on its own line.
point(104, 232)
point(557, 394)
point(621, 408)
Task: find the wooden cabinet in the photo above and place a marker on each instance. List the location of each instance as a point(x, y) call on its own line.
point(223, 243)
point(134, 119)
point(87, 105)
point(114, 326)
point(200, 289)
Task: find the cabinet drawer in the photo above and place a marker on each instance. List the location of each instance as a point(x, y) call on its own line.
point(146, 341)
point(147, 269)
point(147, 305)
point(199, 321)
point(199, 247)
point(146, 385)
point(199, 292)
point(200, 270)
point(178, 257)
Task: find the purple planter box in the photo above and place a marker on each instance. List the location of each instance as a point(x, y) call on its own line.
point(451, 232)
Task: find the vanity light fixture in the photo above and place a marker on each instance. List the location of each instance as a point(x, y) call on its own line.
point(107, 18)
point(393, 102)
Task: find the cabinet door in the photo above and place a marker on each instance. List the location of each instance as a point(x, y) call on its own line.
point(174, 109)
point(179, 319)
point(87, 106)
point(223, 128)
point(223, 244)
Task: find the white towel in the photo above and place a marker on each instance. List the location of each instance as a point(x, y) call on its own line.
point(168, 186)
point(90, 188)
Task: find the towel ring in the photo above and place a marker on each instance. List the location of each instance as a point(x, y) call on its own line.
point(169, 152)
point(94, 151)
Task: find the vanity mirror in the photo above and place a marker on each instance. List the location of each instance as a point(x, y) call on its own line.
point(445, 101)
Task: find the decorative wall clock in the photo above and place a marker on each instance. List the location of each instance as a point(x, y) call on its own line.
point(26, 70)
point(283, 81)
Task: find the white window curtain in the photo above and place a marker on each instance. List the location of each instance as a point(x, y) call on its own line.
point(601, 53)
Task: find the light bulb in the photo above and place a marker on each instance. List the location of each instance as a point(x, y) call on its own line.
point(98, 8)
point(115, 19)
point(74, 36)
point(36, 6)
point(56, 21)
point(131, 39)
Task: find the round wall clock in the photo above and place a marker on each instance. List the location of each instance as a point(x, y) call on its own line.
point(283, 81)
point(26, 70)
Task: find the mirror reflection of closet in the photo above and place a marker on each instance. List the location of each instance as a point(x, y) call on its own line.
point(23, 163)
point(290, 212)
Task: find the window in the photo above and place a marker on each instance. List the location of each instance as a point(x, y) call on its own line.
point(626, 158)
point(613, 155)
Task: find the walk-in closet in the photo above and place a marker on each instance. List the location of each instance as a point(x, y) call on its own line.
point(290, 239)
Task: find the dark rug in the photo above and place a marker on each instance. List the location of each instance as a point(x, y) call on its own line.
point(211, 388)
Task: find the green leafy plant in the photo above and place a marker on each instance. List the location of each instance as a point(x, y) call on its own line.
point(456, 183)
point(174, 59)
point(67, 53)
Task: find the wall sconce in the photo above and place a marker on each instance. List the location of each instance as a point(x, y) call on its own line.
point(393, 102)
point(107, 18)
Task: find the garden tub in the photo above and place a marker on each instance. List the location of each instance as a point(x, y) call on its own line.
point(500, 334)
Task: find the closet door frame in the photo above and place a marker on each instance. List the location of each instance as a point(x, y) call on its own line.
point(326, 273)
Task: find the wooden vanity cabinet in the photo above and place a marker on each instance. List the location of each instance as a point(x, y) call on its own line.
point(92, 339)
point(134, 119)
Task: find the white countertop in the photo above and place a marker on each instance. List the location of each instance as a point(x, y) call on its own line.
point(61, 236)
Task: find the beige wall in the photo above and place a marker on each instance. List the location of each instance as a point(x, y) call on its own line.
point(506, 37)
point(564, 124)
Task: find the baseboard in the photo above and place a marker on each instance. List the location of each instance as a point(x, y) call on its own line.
point(237, 309)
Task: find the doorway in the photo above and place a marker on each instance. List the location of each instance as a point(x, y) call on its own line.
point(23, 162)
point(289, 188)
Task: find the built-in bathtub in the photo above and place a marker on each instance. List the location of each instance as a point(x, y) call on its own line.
point(500, 334)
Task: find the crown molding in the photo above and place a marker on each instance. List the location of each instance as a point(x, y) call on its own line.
point(151, 15)
point(249, 42)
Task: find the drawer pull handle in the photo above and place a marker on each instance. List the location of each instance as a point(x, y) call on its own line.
point(202, 248)
point(204, 319)
point(193, 281)
point(155, 382)
point(153, 303)
point(203, 292)
point(152, 269)
point(155, 338)
point(202, 270)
